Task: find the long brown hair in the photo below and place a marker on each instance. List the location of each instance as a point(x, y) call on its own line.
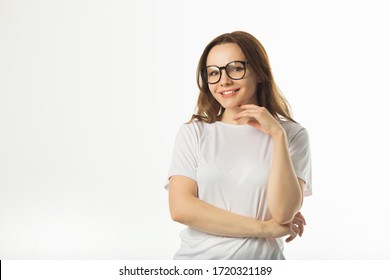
point(268, 94)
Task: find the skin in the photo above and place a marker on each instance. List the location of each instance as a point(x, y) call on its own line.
point(285, 190)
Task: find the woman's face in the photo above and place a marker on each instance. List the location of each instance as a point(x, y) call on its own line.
point(228, 92)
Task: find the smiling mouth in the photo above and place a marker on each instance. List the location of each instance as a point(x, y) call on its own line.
point(229, 92)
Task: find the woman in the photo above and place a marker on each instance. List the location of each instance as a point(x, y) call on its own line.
point(241, 166)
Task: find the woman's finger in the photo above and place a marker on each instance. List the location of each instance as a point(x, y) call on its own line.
point(246, 113)
point(254, 123)
point(296, 229)
point(293, 232)
point(250, 106)
point(300, 224)
point(301, 227)
point(299, 215)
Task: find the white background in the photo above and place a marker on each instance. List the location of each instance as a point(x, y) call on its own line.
point(92, 94)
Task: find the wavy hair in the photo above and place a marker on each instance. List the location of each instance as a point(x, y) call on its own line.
point(268, 94)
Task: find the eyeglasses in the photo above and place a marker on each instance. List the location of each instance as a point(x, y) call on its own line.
point(235, 70)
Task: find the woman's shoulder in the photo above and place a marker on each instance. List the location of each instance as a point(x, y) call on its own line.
point(194, 128)
point(292, 129)
point(193, 125)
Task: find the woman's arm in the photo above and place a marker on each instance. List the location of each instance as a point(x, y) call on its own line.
point(188, 209)
point(285, 190)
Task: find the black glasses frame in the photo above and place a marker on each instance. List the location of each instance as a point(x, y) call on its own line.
point(205, 78)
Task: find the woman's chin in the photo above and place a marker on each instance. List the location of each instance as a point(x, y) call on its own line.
point(230, 105)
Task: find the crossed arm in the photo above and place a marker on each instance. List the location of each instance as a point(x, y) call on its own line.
point(188, 209)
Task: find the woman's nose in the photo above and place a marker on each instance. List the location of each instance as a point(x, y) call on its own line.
point(225, 79)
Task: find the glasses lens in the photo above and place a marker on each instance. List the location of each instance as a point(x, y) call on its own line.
point(213, 74)
point(235, 70)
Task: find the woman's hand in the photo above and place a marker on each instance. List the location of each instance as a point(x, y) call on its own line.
point(297, 223)
point(292, 229)
point(261, 119)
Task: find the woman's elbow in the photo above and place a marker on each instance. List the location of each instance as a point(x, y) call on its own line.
point(284, 216)
point(179, 215)
point(283, 219)
point(182, 192)
point(176, 215)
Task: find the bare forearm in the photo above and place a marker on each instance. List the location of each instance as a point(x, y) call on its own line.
point(202, 216)
point(284, 191)
point(186, 208)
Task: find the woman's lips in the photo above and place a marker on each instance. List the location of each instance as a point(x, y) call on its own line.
point(229, 93)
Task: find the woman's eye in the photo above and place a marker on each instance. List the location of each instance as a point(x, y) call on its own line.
point(237, 69)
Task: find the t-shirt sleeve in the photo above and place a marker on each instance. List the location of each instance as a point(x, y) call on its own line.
point(299, 149)
point(185, 153)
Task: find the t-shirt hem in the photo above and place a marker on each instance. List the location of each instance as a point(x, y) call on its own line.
point(180, 173)
point(307, 190)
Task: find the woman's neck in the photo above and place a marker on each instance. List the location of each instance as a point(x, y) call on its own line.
point(228, 115)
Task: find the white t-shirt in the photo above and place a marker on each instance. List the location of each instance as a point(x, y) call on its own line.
point(231, 165)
